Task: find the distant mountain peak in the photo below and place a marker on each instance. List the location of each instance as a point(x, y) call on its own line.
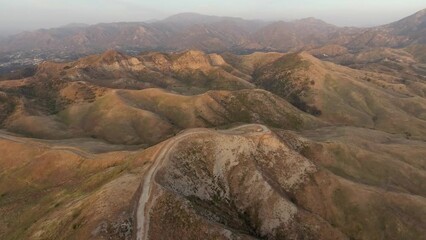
point(417, 17)
point(108, 57)
point(312, 20)
point(111, 52)
point(216, 34)
point(186, 15)
point(413, 26)
point(75, 25)
point(421, 12)
point(196, 18)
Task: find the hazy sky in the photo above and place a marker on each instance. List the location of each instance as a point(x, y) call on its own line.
point(30, 14)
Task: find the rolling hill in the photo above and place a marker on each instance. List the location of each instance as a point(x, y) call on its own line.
point(321, 135)
point(246, 182)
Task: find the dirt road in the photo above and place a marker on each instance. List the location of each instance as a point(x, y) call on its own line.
point(143, 208)
point(9, 137)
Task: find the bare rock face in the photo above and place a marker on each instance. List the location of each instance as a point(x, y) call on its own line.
point(239, 183)
point(217, 60)
point(242, 183)
point(245, 183)
point(191, 60)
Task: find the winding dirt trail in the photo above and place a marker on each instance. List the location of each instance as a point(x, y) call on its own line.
point(73, 150)
point(12, 138)
point(143, 207)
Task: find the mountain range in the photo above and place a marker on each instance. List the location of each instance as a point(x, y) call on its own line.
point(219, 128)
point(217, 34)
point(326, 146)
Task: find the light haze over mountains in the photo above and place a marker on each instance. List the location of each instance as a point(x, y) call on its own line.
point(16, 16)
point(199, 126)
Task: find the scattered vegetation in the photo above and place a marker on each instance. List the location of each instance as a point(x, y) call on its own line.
point(279, 77)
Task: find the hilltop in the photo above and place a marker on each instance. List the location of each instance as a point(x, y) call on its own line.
point(183, 144)
point(204, 90)
point(230, 183)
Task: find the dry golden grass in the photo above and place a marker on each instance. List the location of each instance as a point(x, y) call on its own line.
point(321, 180)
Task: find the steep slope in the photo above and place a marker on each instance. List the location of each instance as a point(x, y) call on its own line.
point(343, 95)
point(46, 107)
point(50, 190)
point(212, 34)
point(242, 183)
point(395, 48)
point(184, 71)
point(76, 99)
point(183, 20)
point(7, 105)
point(89, 39)
point(418, 51)
point(336, 94)
point(310, 177)
point(407, 63)
point(413, 27)
point(156, 114)
point(399, 34)
point(370, 157)
point(195, 69)
point(250, 62)
point(286, 36)
point(282, 77)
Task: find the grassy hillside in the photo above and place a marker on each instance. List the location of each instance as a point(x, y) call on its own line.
point(342, 95)
point(230, 182)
